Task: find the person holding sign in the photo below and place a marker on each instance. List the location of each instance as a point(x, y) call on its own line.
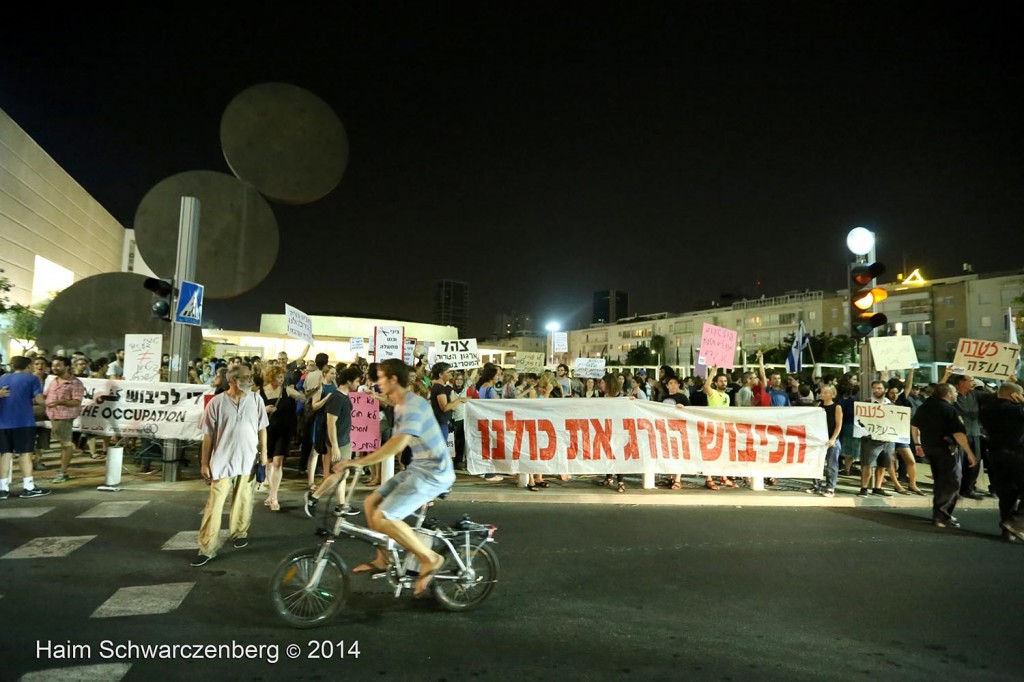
point(714, 389)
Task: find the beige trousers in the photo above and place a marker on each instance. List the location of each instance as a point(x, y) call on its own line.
point(241, 512)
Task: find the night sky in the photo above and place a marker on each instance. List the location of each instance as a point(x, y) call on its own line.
point(676, 151)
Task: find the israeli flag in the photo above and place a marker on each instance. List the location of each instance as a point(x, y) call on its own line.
point(795, 359)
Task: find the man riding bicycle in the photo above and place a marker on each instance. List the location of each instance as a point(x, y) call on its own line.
point(428, 475)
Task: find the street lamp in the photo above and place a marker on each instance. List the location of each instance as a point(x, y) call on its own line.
point(864, 296)
point(551, 328)
point(860, 241)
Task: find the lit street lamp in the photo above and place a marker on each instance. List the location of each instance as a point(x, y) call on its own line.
point(551, 328)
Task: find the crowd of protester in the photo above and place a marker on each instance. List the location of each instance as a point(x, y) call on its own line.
point(297, 395)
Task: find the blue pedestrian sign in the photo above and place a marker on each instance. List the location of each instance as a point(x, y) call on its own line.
point(190, 304)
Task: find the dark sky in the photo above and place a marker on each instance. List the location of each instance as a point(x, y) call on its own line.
point(676, 150)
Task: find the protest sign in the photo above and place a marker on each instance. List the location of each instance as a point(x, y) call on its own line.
point(357, 345)
point(717, 346)
point(388, 342)
point(636, 436)
point(889, 423)
point(560, 342)
point(145, 409)
point(460, 354)
point(409, 353)
point(588, 368)
point(142, 356)
point(893, 352)
point(529, 363)
point(986, 359)
point(300, 326)
point(365, 422)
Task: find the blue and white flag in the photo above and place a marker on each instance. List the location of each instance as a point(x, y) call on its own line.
point(795, 359)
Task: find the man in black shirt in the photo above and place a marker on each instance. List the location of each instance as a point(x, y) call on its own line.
point(1003, 419)
point(937, 429)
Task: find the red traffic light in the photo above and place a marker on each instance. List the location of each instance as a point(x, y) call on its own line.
point(862, 274)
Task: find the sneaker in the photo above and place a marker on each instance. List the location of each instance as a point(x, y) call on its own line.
point(811, 491)
point(60, 477)
point(200, 560)
point(973, 495)
point(952, 523)
point(4, 494)
point(310, 506)
point(829, 493)
point(1015, 531)
point(35, 492)
point(493, 478)
point(881, 493)
point(40, 466)
point(863, 492)
point(241, 543)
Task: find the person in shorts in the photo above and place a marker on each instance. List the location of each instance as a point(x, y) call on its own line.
point(63, 405)
point(429, 474)
point(19, 390)
point(875, 455)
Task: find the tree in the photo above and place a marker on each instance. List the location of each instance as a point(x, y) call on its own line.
point(658, 347)
point(641, 355)
point(23, 326)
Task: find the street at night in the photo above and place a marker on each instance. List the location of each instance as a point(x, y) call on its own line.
point(603, 591)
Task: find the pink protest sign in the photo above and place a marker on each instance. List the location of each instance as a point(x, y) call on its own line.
point(365, 422)
point(717, 346)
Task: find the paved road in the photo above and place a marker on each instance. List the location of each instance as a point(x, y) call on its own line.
point(596, 591)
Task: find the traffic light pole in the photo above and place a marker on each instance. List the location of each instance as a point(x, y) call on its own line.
point(867, 363)
point(181, 334)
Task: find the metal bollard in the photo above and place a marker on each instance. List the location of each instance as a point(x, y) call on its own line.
point(524, 480)
point(757, 483)
point(115, 454)
point(648, 480)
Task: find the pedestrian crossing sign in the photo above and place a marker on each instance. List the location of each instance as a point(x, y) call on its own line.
point(190, 304)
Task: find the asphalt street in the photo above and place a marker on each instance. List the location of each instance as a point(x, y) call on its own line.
point(598, 591)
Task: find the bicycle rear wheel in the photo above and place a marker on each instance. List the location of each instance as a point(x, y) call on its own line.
point(469, 588)
point(301, 604)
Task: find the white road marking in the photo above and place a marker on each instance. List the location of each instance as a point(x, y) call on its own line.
point(144, 600)
point(48, 548)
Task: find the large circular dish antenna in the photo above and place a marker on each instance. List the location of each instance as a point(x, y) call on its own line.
point(238, 236)
point(285, 141)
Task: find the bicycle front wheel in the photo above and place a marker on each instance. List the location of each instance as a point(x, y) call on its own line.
point(301, 602)
point(465, 590)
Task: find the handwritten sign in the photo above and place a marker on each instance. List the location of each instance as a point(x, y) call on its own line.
point(365, 423)
point(986, 359)
point(388, 342)
point(142, 355)
point(461, 354)
point(893, 352)
point(529, 363)
point(888, 423)
point(357, 345)
point(300, 326)
point(409, 354)
point(717, 346)
point(588, 368)
point(560, 342)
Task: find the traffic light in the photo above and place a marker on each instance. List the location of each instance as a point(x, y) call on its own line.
point(163, 291)
point(863, 297)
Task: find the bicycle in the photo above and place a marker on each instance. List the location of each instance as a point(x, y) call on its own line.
point(311, 586)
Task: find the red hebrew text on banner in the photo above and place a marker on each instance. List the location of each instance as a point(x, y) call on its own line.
point(628, 436)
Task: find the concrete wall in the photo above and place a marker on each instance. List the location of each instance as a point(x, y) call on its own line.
point(44, 211)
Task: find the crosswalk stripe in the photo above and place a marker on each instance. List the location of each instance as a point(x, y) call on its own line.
point(24, 512)
point(105, 672)
point(189, 539)
point(49, 547)
point(144, 600)
point(111, 510)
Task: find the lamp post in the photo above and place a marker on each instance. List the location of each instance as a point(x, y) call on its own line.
point(551, 328)
point(861, 242)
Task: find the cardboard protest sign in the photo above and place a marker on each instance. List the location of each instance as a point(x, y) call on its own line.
point(588, 368)
point(893, 352)
point(357, 345)
point(142, 355)
point(300, 326)
point(529, 363)
point(388, 343)
point(365, 422)
point(717, 346)
point(460, 354)
point(889, 423)
point(986, 359)
point(560, 342)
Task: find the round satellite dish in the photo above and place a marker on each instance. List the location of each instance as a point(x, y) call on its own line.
point(285, 141)
point(238, 236)
point(93, 315)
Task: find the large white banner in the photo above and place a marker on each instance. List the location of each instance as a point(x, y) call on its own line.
point(888, 423)
point(147, 410)
point(633, 436)
point(142, 356)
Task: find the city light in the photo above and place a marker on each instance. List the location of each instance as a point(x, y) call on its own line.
point(552, 326)
point(860, 241)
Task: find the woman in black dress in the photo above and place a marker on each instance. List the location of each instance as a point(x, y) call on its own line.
point(280, 401)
